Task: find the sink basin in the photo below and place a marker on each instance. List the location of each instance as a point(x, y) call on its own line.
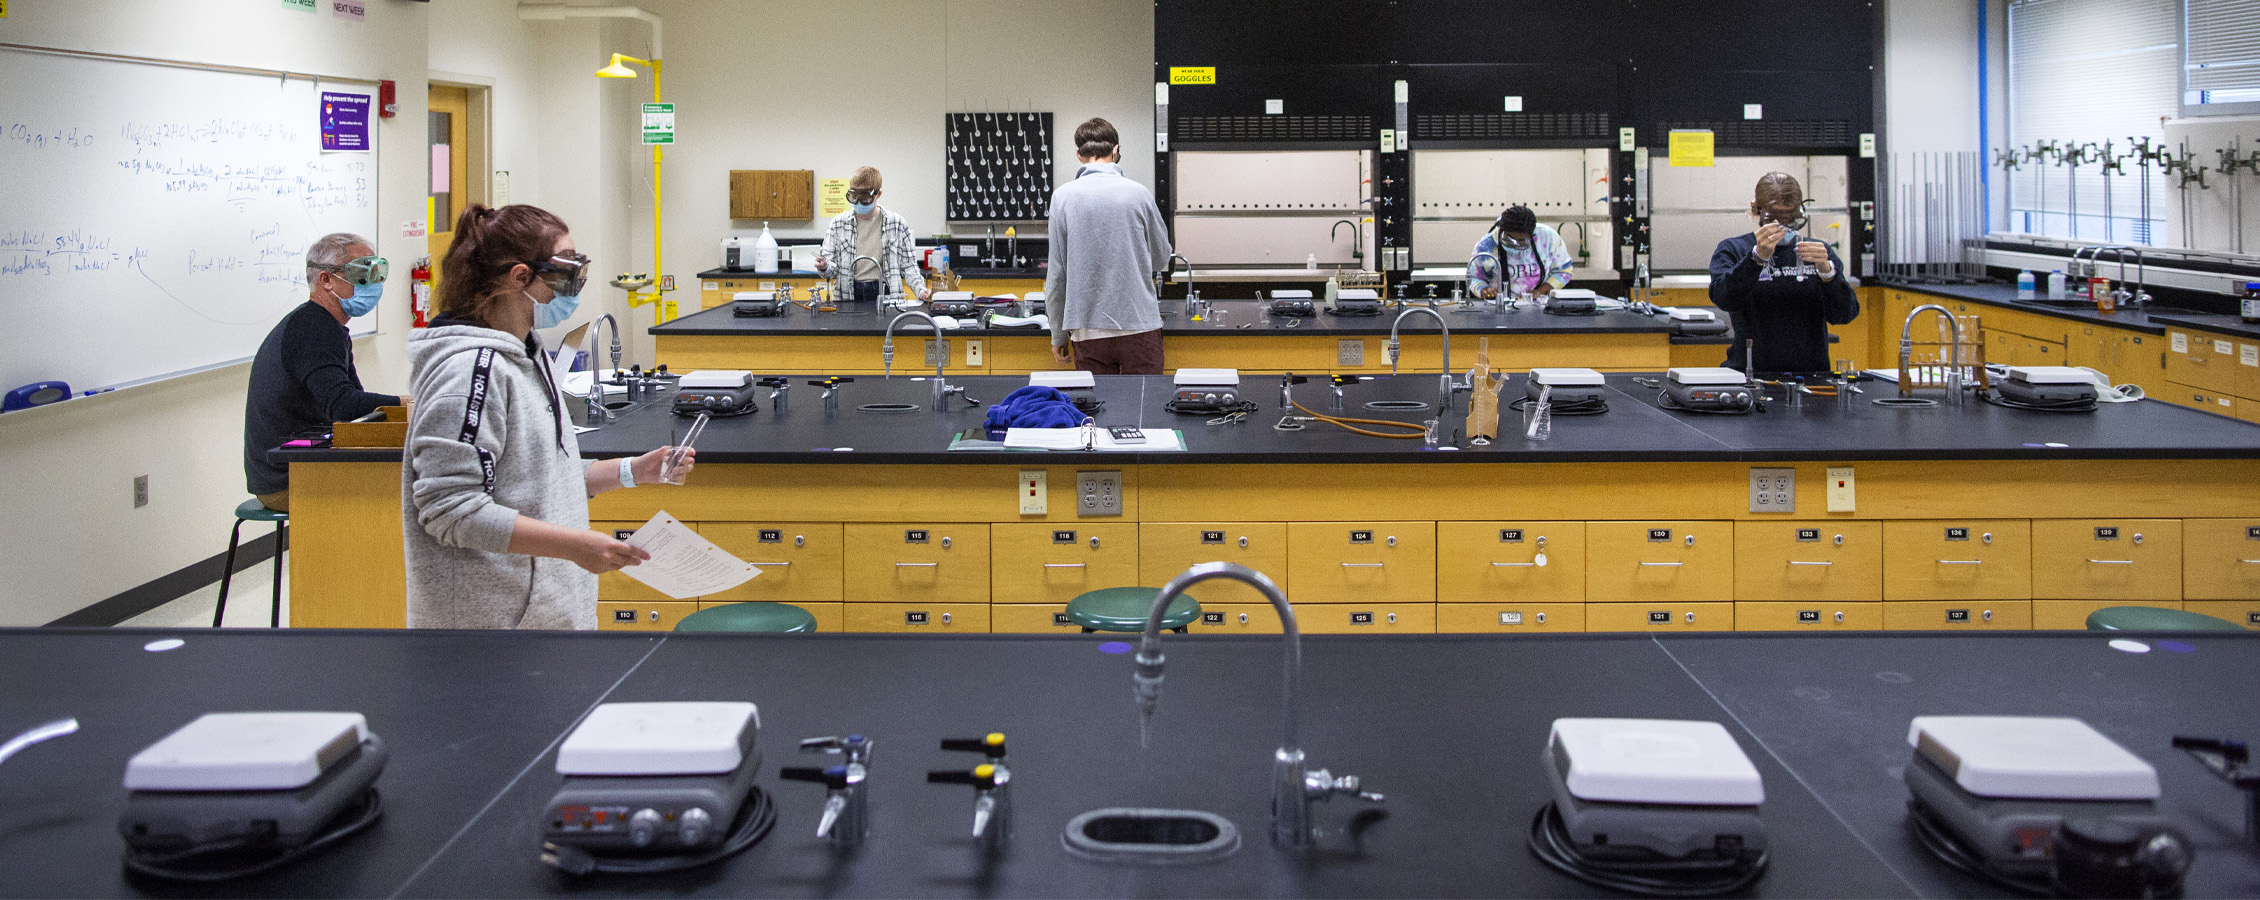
point(1152, 837)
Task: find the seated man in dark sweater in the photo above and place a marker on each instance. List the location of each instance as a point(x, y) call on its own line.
point(303, 376)
point(1782, 290)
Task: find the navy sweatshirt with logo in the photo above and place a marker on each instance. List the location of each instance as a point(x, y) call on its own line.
point(1781, 303)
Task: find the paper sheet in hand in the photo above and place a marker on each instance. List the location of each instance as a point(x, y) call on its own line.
point(683, 564)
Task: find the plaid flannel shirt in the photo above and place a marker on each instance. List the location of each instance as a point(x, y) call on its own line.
point(898, 263)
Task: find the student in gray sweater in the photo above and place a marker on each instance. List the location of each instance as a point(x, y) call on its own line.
point(494, 494)
point(1107, 241)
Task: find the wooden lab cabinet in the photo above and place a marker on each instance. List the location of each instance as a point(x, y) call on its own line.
point(2106, 559)
point(2071, 615)
point(1362, 562)
point(916, 562)
point(1660, 616)
point(1241, 618)
point(1367, 618)
point(772, 194)
point(919, 618)
point(1522, 562)
point(616, 587)
point(1658, 562)
point(1967, 559)
point(1828, 562)
point(1031, 618)
point(2127, 357)
point(658, 615)
point(1509, 617)
point(1814, 615)
point(1958, 615)
point(2221, 560)
point(1036, 562)
point(1168, 548)
point(2240, 612)
point(799, 561)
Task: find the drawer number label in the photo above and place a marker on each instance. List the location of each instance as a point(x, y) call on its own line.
point(1659, 534)
point(914, 536)
point(623, 615)
point(1060, 618)
point(1063, 537)
point(1361, 537)
point(1957, 534)
point(2252, 618)
point(772, 536)
point(621, 534)
point(1209, 618)
point(1515, 618)
point(1361, 618)
point(1808, 534)
point(1661, 617)
point(1957, 615)
point(1510, 535)
point(914, 618)
point(1212, 537)
point(2252, 533)
point(1808, 615)
point(2106, 533)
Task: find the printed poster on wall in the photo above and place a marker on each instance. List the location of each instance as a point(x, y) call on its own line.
point(1691, 148)
point(345, 122)
point(831, 197)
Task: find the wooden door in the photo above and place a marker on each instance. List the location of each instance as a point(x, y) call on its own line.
point(452, 145)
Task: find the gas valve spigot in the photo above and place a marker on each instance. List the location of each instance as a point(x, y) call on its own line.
point(991, 781)
point(845, 820)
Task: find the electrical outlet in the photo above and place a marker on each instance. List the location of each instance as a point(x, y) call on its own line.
point(1098, 493)
point(936, 352)
point(1840, 489)
point(140, 491)
point(1033, 492)
point(1349, 352)
point(972, 353)
point(1773, 490)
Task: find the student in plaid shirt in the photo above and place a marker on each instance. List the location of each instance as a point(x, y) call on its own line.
point(867, 229)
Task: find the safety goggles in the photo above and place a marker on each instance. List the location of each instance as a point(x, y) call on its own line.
point(364, 271)
point(1514, 243)
point(1792, 219)
point(565, 275)
point(862, 196)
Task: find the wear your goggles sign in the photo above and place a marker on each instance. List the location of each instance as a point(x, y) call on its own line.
point(1192, 74)
point(659, 123)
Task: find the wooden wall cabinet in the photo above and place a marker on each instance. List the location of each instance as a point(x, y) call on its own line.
point(772, 194)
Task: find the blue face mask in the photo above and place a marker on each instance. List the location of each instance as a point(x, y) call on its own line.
point(556, 311)
point(364, 299)
point(863, 209)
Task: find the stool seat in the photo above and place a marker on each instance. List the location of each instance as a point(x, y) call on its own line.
point(1126, 609)
point(772, 618)
point(253, 511)
point(2151, 618)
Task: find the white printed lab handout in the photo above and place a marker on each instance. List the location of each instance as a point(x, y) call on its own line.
point(682, 563)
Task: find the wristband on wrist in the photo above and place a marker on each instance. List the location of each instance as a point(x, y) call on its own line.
point(627, 472)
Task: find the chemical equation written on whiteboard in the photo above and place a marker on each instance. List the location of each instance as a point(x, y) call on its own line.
point(29, 252)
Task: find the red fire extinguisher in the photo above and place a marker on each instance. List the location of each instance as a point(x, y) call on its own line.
point(420, 292)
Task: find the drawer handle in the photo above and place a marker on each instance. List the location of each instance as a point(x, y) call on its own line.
point(1361, 565)
point(1800, 562)
point(1064, 565)
point(1501, 565)
point(2250, 562)
point(917, 565)
point(1960, 562)
point(1669, 564)
point(2112, 562)
point(769, 564)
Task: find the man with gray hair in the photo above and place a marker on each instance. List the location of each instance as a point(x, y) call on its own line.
point(303, 375)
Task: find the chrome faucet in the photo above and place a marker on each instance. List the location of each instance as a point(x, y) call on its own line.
point(1192, 293)
point(2140, 296)
point(1953, 356)
point(942, 388)
point(1449, 386)
point(595, 398)
point(1294, 786)
point(1498, 303)
point(846, 818)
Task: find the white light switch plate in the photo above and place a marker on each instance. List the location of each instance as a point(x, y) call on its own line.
point(1034, 492)
point(1840, 487)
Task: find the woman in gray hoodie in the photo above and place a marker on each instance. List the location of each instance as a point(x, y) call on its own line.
point(494, 493)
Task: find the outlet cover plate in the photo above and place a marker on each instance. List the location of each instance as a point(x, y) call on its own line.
point(1350, 352)
point(1098, 493)
point(1773, 490)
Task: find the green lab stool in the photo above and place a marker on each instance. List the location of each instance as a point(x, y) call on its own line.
point(1126, 609)
point(2151, 618)
point(775, 618)
point(253, 511)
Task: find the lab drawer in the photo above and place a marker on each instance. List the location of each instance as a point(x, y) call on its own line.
point(1509, 618)
point(1369, 618)
point(2205, 399)
point(1965, 559)
point(2241, 612)
point(1037, 562)
point(2202, 360)
point(917, 617)
point(2071, 615)
point(1659, 616)
point(799, 561)
point(1812, 562)
point(1814, 615)
point(2106, 559)
point(1501, 560)
point(615, 586)
point(2221, 559)
point(1362, 562)
point(1240, 618)
point(1658, 562)
point(1945, 615)
point(1167, 548)
point(923, 562)
point(1031, 618)
point(657, 615)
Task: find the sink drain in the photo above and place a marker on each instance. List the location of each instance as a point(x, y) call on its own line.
point(1906, 402)
point(1395, 405)
point(1154, 837)
point(889, 407)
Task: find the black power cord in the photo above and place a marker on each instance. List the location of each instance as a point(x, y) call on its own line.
point(245, 856)
point(1191, 408)
point(1589, 407)
point(1994, 397)
point(755, 818)
point(1551, 843)
point(1933, 835)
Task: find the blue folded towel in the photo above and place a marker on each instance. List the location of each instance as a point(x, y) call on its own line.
point(1034, 406)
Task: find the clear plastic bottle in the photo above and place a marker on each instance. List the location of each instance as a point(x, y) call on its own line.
point(765, 252)
point(2056, 285)
point(2024, 285)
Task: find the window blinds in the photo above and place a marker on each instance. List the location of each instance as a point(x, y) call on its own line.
point(2082, 73)
point(2223, 64)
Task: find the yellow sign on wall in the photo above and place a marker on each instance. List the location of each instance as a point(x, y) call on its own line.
point(831, 197)
point(1192, 74)
point(1691, 149)
point(3, 9)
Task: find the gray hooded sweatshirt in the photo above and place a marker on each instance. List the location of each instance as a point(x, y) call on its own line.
point(489, 441)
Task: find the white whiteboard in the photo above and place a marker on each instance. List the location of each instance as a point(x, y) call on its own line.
point(154, 219)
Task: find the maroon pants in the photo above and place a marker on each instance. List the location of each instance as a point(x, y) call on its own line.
point(1130, 354)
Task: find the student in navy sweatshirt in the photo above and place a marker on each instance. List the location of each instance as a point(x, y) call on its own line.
point(1781, 288)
